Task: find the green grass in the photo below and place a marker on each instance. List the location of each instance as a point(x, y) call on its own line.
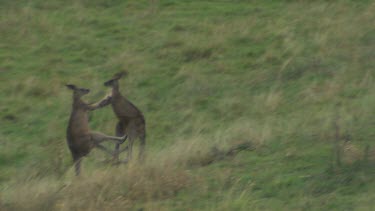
point(205, 74)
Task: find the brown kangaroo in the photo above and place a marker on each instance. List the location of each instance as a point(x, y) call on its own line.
point(79, 137)
point(131, 120)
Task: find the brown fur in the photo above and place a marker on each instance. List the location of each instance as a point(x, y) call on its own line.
point(131, 120)
point(79, 137)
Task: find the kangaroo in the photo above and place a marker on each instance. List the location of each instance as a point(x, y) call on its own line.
point(79, 137)
point(131, 120)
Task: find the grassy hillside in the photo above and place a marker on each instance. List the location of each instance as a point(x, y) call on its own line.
point(295, 79)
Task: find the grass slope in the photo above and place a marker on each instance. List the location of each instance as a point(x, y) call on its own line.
point(206, 74)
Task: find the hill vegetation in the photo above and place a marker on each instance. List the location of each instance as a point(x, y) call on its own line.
point(249, 105)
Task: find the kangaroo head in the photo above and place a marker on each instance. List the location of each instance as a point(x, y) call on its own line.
point(79, 92)
point(113, 82)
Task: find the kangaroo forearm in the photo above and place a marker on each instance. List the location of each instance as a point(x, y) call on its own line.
point(102, 103)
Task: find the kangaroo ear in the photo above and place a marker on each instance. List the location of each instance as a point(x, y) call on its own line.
point(71, 86)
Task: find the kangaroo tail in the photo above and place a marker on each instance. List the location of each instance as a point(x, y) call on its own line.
point(142, 147)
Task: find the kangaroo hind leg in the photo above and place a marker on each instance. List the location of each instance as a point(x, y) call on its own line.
point(120, 133)
point(129, 148)
point(104, 149)
point(97, 138)
point(131, 131)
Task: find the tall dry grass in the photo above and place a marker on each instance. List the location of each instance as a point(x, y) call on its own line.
point(163, 176)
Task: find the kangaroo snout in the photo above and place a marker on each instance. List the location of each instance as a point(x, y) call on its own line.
point(108, 83)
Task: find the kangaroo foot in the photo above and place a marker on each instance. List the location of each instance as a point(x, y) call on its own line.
point(123, 139)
